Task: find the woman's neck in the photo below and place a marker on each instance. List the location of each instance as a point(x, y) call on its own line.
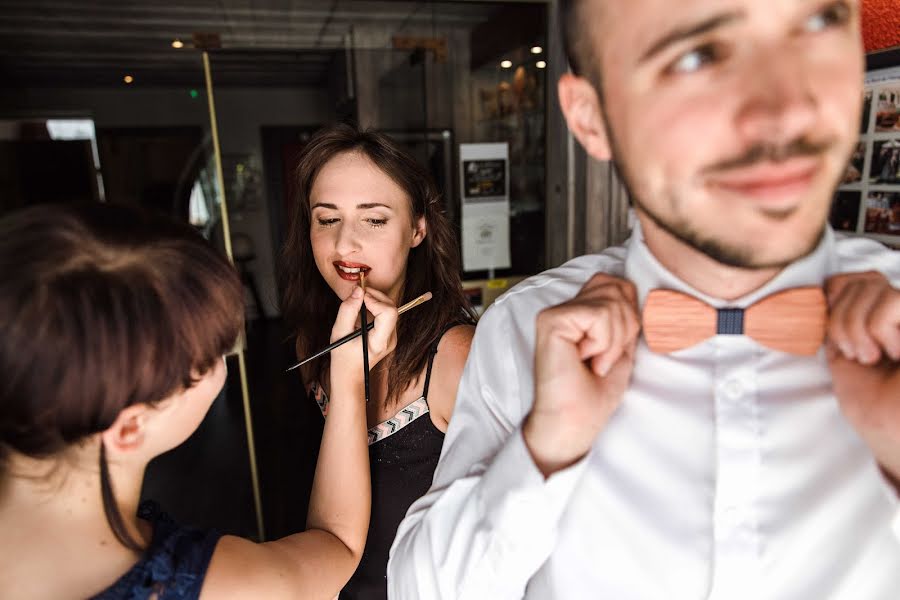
point(53, 507)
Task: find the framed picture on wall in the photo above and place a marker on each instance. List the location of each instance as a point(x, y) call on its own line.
point(867, 201)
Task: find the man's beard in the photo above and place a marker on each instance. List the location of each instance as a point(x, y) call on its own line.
point(721, 251)
point(727, 253)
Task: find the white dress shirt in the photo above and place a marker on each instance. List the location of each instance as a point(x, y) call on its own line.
point(728, 471)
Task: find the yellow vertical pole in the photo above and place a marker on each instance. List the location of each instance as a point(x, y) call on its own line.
point(242, 365)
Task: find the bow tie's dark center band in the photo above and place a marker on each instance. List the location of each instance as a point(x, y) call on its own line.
point(730, 321)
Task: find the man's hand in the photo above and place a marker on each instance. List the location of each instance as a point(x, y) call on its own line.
point(864, 356)
point(584, 354)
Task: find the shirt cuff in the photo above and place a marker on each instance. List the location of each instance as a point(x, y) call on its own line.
point(518, 502)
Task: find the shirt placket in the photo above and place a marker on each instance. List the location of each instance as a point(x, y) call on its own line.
point(737, 463)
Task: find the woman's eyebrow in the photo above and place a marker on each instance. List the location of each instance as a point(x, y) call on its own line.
point(362, 206)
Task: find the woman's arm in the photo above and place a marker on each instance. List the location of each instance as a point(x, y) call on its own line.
point(449, 361)
point(318, 562)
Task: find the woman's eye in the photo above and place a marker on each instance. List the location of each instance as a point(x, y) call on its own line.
point(694, 60)
point(326, 222)
point(832, 15)
point(376, 222)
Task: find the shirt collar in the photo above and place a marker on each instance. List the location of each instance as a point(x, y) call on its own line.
point(645, 271)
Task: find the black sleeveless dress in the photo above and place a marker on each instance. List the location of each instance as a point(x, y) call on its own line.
point(403, 453)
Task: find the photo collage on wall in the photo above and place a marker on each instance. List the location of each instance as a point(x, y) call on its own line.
point(867, 201)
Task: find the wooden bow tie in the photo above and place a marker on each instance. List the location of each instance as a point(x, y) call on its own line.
point(791, 321)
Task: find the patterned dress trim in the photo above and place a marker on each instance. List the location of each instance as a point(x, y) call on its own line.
point(404, 417)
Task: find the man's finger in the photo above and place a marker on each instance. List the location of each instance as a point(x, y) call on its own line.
point(884, 323)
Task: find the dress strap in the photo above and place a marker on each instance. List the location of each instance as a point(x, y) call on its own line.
point(431, 354)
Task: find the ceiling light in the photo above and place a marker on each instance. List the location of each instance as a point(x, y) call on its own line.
point(541, 64)
point(536, 49)
point(506, 64)
point(128, 79)
point(176, 43)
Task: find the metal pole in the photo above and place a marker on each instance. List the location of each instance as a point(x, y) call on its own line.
point(242, 366)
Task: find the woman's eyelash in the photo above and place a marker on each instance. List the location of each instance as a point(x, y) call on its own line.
point(373, 222)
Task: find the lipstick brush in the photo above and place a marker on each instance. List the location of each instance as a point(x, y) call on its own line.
point(365, 333)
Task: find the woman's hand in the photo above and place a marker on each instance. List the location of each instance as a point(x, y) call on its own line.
point(347, 359)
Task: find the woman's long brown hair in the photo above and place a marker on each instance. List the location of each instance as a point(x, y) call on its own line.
point(310, 307)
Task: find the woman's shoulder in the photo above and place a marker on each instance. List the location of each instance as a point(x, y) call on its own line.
point(457, 339)
point(173, 566)
point(452, 351)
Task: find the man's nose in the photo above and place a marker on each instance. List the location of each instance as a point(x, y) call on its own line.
point(779, 105)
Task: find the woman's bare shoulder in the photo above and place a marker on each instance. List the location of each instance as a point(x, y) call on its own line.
point(453, 350)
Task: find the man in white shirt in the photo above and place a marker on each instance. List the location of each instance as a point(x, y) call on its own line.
point(578, 463)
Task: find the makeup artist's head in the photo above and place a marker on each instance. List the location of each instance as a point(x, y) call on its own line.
point(731, 121)
point(113, 324)
point(363, 203)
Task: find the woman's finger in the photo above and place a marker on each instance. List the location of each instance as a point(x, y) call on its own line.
point(385, 320)
point(348, 313)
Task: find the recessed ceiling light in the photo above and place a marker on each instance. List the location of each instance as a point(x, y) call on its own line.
point(506, 64)
point(536, 49)
point(176, 43)
point(128, 79)
point(541, 64)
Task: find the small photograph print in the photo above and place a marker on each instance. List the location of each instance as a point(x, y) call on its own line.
point(866, 111)
point(845, 211)
point(887, 109)
point(484, 178)
point(883, 213)
point(854, 171)
point(885, 167)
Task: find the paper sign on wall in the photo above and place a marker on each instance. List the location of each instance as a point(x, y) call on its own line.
point(484, 186)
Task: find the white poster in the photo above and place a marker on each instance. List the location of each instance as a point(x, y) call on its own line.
point(484, 187)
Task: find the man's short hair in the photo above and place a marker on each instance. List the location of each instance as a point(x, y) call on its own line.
point(577, 41)
point(572, 33)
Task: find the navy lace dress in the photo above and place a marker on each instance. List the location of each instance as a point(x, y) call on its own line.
point(174, 565)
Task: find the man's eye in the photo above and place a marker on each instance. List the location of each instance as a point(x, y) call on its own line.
point(833, 15)
point(694, 60)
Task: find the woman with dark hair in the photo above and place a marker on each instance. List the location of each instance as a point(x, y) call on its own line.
point(366, 206)
point(113, 328)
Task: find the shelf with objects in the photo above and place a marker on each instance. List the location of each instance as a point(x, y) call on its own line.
point(867, 201)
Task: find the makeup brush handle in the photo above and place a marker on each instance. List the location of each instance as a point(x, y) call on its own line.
point(351, 336)
point(335, 344)
point(363, 318)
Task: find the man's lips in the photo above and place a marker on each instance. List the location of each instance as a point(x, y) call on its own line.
point(769, 180)
point(350, 271)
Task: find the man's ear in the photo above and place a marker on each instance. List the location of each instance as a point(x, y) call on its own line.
point(128, 431)
point(420, 230)
point(581, 108)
